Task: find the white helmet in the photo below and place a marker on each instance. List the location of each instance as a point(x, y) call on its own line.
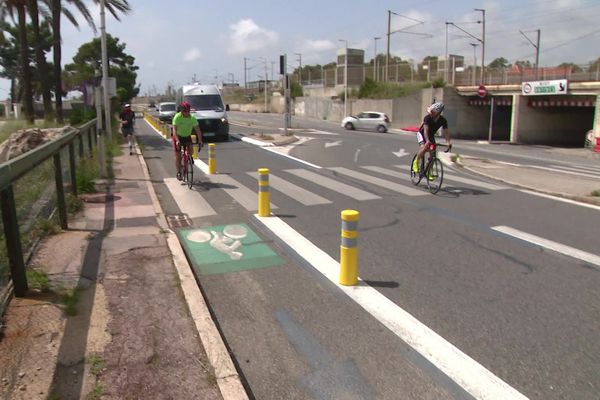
point(436, 107)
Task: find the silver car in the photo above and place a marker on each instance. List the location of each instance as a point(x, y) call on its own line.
point(166, 111)
point(371, 120)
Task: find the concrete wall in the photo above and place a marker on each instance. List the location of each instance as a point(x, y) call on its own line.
point(319, 107)
point(320, 91)
point(465, 121)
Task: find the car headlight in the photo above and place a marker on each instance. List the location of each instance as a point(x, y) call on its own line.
point(224, 120)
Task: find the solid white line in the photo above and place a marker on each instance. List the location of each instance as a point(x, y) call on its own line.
point(240, 193)
point(462, 369)
point(548, 196)
point(324, 132)
point(549, 244)
point(293, 158)
point(188, 201)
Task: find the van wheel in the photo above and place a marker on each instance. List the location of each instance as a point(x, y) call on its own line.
point(349, 126)
point(381, 129)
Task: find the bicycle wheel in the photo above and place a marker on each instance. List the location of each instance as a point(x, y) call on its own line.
point(415, 177)
point(435, 175)
point(190, 172)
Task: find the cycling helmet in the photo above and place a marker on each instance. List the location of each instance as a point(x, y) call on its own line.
point(185, 106)
point(436, 108)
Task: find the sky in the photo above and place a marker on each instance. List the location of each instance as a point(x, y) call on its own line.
point(177, 41)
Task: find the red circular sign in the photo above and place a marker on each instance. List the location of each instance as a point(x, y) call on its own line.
point(482, 91)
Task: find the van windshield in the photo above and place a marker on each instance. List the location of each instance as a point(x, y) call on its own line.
point(205, 102)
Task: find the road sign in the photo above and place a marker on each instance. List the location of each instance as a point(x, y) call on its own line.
point(482, 91)
point(538, 88)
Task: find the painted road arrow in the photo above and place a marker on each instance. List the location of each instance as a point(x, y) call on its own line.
point(400, 153)
point(330, 144)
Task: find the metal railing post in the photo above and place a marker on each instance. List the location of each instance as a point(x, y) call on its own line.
point(90, 141)
point(13, 241)
point(60, 193)
point(80, 142)
point(73, 167)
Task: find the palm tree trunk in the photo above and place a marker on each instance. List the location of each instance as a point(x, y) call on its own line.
point(41, 61)
point(27, 99)
point(56, 48)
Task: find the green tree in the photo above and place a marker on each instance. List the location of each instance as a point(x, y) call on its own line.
point(574, 67)
point(121, 66)
point(499, 62)
point(56, 7)
point(523, 64)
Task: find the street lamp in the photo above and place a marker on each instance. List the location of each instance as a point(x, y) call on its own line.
point(345, 76)
point(375, 39)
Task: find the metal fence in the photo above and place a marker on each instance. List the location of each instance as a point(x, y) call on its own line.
point(32, 188)
point(404, 73)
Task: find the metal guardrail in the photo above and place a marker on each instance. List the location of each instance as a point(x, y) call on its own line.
point(16, 168)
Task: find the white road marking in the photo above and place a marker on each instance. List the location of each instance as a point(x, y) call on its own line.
point(579, 173)
point(462, 369)
point(332, 144)
point(274, 150)
point(331, 184)
point(548, 196)
point(409, 191)
point(324, 132)
point(578, 168)
point(450, 177)
point(400, 153)
point(295, 192)
point(189, 201)
point(549, 244)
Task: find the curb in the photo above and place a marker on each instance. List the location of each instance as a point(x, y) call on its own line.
point(228, 380)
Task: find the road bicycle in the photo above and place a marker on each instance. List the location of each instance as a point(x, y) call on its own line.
point(431, 168)
point(186, 169)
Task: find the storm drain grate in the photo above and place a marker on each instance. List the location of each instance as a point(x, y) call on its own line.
point(179, 221)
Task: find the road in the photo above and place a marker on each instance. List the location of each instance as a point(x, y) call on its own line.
point(455, 300)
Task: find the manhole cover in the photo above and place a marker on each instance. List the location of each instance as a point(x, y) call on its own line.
point(98, 198)
point(179, 221)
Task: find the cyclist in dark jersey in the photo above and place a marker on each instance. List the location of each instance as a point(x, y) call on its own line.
point(433, 121)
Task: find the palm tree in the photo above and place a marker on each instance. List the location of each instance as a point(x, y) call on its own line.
point(56, 6)
point(40, 59)
point(9, 7)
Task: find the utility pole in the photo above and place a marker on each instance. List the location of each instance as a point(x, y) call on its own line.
point(299, 59)
point(446, 61)
point(482, 46)
point(245, 74)
point(474, 62)
point(345, 78)
point(375, 74)
point(107, 115)
point(387, 55)
point(537, 50)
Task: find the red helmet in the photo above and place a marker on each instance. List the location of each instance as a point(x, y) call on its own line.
point(185, 106)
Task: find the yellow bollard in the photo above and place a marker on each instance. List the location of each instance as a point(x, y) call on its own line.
point(264, 201)
point(194, 147)
point(349, 248)
point(212, 165)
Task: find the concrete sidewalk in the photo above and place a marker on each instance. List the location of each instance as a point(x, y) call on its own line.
point(141, 329)
point(573, 186)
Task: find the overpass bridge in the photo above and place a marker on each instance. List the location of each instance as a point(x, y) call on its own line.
point(555, 112)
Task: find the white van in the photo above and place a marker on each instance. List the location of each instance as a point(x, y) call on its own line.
point(208, 108)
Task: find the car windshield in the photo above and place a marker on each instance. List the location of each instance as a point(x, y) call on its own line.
point(205, 102)
point(167, 107)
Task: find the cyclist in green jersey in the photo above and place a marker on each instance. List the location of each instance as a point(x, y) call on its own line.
point(183, 125)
